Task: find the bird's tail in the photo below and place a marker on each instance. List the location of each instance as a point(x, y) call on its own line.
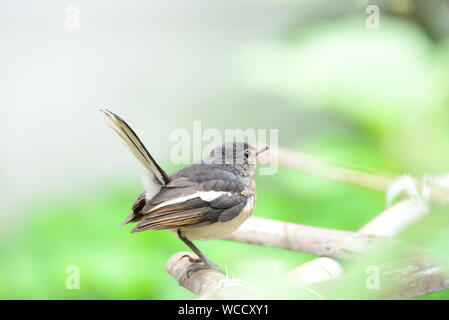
point(136, 146)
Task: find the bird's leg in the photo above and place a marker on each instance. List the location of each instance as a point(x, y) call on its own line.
point(202, 262)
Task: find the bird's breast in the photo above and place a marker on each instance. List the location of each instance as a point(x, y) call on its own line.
point(219, 230)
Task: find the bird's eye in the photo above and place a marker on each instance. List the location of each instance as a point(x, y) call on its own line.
point(247, 153)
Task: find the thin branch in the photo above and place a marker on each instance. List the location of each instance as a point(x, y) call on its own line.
point(345, 172)
point(395, 219)
point(324, 168)
point(320, 241)
point(422, 276)
point(413, 277)
point(207, 283)
point(389, 223)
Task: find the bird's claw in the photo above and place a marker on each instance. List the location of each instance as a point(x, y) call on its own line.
point(200, 264)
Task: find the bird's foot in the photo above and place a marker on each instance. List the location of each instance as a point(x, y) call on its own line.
point(201, 264)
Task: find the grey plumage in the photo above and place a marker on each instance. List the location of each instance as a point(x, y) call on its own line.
point(205, 200)
point(194, 179)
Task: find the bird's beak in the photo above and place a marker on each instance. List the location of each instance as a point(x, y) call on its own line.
point(261, 149)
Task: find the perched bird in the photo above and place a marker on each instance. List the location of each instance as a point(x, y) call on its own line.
point(206, 200)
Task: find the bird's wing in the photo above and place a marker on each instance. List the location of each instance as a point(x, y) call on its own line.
point(137, 207)
point(193, 204)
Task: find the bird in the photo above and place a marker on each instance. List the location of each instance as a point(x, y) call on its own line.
point(206, 200)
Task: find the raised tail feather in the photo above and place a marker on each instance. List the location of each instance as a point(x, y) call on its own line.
point(136, 146)
point(155, 176)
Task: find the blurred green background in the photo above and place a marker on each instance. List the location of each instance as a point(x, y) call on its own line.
point(311, 69)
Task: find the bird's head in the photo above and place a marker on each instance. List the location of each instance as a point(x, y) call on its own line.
point(240, 157)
